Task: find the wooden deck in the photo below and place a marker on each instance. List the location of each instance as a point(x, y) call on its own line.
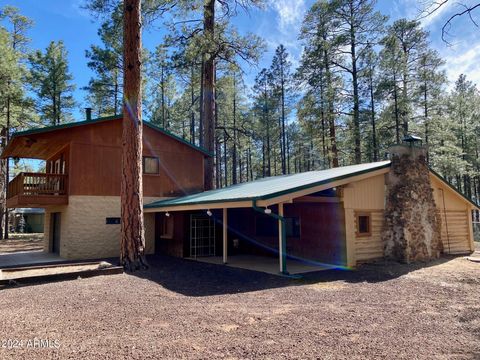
point(37, 190)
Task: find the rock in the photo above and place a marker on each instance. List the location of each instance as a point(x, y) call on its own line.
point(412, 227)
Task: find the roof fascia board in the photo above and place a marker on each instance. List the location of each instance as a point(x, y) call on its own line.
point(64, 126)
point(168, 133)
point(203, 206)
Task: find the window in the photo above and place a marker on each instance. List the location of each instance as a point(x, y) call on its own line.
point(151, 165)
point(112, 220)
point(364, 224)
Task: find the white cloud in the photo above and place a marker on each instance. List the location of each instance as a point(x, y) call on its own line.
point(289, 17)
point(290, 13)
point(463, 61)
point(432, 11)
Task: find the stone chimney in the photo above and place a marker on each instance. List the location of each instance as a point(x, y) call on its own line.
point(412, 227)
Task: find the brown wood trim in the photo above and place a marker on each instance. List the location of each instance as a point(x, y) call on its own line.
point(316, 199)
point(36, 200)
point(369, 215)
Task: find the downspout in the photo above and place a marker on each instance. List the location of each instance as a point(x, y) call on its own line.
point(283, 237)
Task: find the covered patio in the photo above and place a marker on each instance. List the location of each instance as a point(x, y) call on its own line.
point(264, 264)
point(285, 224)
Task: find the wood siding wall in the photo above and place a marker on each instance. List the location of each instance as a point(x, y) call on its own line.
point(366, 196)
point(96, 163)
point(370, 247)
point(455, 214)
point(322, 232)
point(92, 154)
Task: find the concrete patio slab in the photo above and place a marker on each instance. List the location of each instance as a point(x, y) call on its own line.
point(264, 264)
point(26, 258)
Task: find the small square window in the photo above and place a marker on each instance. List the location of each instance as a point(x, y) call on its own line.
point(363, 225)
point(151, 165)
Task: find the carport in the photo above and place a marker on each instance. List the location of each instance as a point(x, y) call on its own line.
point(306, 207)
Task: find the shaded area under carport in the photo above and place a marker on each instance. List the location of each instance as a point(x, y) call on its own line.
point(263, 264)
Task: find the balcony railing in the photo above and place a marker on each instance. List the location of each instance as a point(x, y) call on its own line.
point(32, 184)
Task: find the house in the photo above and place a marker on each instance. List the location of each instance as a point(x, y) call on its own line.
point(340, 217)
point(28, 220)
point(334, 216)
point(80, 188)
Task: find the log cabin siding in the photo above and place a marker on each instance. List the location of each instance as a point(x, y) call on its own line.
point(455, 232)
point(365, 196)
point(370, 247)
point(455, 215)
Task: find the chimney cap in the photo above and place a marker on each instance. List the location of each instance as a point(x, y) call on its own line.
point(412, 139)
point(88, 113)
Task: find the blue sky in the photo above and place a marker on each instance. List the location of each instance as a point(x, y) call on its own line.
point(278, 23)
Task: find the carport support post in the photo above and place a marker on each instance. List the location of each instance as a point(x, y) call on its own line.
point(225, 234)
point(282, 244)
point(282, 234)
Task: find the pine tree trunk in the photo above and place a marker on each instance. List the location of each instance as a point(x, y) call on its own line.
point(225, 159)
point(162, 88)
point(201, 110)
point(132, 255)
point(283, 139)
point(209, 94)
point(3, 183)
point(115, 96)
point(330, 113)
point(425, 113)
point(374, 127)
point(7, 171)
point(218, 154)
point(356, 101)
point(234, 147)
point(250, 163)
point(395, 99)
point(192, 112)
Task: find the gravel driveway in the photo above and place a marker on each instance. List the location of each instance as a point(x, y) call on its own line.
point(184, 309)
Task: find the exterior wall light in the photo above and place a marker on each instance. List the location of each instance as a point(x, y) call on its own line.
point(209, 213)
point(167, 214)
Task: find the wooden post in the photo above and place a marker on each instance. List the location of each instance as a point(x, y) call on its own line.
point(470, 228)
point(281, 240)
point(349, 226)
point(225, 235)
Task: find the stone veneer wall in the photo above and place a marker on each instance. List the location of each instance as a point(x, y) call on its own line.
point(84, 233)
point(412, 227)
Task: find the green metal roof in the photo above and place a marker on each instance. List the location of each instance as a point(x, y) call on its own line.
point(271, 187)
point(102, 119)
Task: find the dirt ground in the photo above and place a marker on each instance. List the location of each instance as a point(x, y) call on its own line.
point(184, 309)
point(21, 242)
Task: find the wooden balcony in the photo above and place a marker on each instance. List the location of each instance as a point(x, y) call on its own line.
point(37, 190)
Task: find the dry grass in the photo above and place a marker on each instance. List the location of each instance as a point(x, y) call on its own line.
point(21, 242)
point(184, 309)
